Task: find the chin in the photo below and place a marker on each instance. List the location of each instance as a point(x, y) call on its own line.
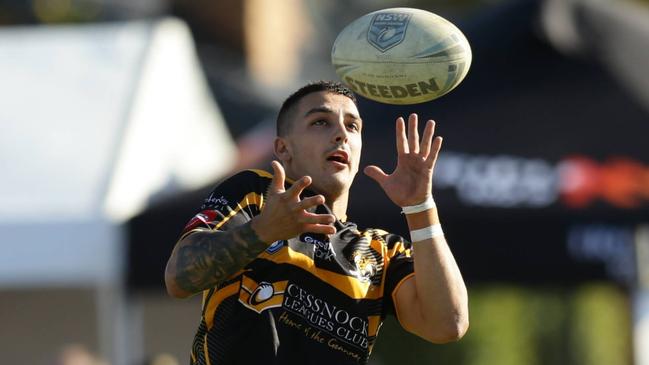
point(337, 184)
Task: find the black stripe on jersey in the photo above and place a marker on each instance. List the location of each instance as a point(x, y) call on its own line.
point(213, 291)
point(389, 239)
point(235, 188)
point(222, 336)
point(197, 346)
point(230, 281)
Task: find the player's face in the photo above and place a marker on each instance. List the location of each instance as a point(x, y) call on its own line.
point(324, 142)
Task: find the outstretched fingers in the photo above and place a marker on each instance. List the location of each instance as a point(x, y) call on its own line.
point(413, 133)
point(277, 183)
point(320, 228)
point(376, 173)
point(310, 202)
point(314, 218)
point(402, 139)
point(436, 147)
point(313, 222)
point(409, 142)
point(298, 187)
point(302, 206)
point(427, 138)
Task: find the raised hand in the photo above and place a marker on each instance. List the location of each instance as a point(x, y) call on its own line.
point(411, 182)
point(285, 216)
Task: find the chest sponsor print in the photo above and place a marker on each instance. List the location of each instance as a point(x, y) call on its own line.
point(322, 247)
point(327, 318)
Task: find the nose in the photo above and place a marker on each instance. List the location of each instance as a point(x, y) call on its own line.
point(341, 134)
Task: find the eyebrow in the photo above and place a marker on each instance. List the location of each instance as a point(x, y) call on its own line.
point(325, 109)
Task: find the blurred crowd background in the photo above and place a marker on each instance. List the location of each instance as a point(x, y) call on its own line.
point(117, 118)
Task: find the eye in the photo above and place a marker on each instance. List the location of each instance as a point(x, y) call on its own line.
point(319, 122)
point(354, 126)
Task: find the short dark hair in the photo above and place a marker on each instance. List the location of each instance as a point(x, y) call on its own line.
point(283, 125)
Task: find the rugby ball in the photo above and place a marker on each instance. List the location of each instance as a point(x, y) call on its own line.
point(401, 56)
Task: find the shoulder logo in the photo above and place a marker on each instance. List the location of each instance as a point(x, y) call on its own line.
point(387, 29)
point(275, 246)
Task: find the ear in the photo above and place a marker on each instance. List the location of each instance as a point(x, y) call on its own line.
point(281, 149)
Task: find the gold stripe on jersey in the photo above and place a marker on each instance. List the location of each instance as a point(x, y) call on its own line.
point(249, 199)
point(375, 244)
point(373, 325)
point(350, 285)
point(262, 173)
point(394, 297)
point(398, 248)
point(216, 299)
point(206, 350)
point(206, 293)
point(380, 246)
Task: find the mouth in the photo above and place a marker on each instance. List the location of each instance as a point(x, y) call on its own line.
point(339, 157)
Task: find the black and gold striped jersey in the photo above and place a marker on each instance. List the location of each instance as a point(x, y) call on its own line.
point(312, 299)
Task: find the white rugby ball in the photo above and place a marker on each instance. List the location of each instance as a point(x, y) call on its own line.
point(401, 56)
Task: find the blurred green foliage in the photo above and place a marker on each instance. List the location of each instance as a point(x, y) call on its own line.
point(513, 325)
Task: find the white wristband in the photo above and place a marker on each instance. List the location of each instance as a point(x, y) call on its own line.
point(426, 233)
point(429, 203)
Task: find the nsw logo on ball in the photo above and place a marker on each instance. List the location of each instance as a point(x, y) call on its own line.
point(387, 30)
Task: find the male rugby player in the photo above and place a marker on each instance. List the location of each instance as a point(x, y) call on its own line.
point(286, 278)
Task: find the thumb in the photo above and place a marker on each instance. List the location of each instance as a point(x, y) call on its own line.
point(277, 184)
point(375, 173)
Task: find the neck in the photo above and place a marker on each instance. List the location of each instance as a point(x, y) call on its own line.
point(336, 198)
point(338, 205)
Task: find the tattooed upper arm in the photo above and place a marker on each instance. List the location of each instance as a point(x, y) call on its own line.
point(204, 258)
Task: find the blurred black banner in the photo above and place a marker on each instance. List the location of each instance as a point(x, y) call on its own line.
point(543, 176)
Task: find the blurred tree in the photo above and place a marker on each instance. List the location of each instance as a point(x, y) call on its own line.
point(502, 328)
point(587, 325)
point(601, 326)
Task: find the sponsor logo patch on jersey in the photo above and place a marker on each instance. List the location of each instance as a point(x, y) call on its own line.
point(323, 248)
point(366, 265)
point(215, 202)
point(261, 296)
point(201, 219)
point(276, 246)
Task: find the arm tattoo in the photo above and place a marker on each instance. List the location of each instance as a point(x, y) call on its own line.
point(206, 258)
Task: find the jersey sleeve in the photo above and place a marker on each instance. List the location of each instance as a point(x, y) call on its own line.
point(233, 202)
point(400, 267)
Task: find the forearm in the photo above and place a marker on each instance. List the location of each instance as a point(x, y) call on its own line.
point(204, 258)
point(440, 289)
